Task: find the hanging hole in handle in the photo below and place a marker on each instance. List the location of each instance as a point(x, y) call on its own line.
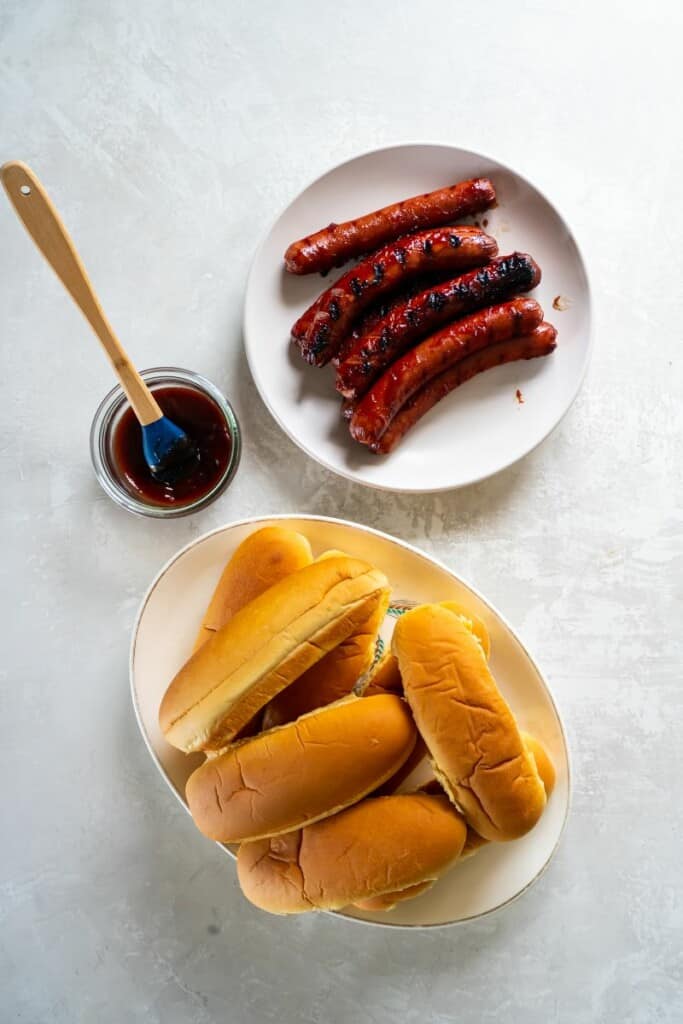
point(25, 190)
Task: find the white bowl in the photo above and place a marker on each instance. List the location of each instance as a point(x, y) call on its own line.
point(164, 632)
point(479, 429)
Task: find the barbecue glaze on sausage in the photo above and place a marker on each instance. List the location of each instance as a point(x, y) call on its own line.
point(326, 325)
point(334, 245)
point(540, 342)
point(383, 341)
point(378, 310)
point(433, 356)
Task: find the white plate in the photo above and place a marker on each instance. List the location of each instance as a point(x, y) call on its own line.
point(169, 618)
point(479, 429)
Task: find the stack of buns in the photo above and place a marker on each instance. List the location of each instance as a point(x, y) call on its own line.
point(308, 738)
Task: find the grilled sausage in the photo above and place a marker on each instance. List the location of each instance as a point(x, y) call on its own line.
point(434, 355)
point(540, 342)
point(378, 310)
point(368, 322)
point(385, 340)
point(379, 275)
point(337, 243)
point(375, 312)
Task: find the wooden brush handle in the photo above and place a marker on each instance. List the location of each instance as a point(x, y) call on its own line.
point(44, 225)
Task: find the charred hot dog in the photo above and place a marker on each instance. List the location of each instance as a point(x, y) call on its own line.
point(540, 342)
point(433, 356)
point(379, 310)
point(337, 243)
point(382, 342)
point(334, 313)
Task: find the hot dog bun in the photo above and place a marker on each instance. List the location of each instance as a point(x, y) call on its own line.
point(389, 899)
point(264, 647)
point(377, 846)
point(544, 766)
point(473, 623)
point(264, 558)
point(334, 675)
point(473, 840)
point(476, 749)
point(545, 769)
point(301, 772)
point(418, 755)
point(384, 677)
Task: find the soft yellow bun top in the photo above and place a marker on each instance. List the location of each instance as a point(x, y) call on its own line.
point(475, 746)
point(264, 647)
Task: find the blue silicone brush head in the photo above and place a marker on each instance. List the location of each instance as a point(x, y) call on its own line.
point(168, 450)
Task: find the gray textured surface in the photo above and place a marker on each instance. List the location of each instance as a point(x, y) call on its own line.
point(170, 135)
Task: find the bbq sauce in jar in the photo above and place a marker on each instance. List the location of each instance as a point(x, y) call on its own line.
point(205, 425)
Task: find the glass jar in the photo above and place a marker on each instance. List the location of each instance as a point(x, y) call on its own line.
point(103, 430)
